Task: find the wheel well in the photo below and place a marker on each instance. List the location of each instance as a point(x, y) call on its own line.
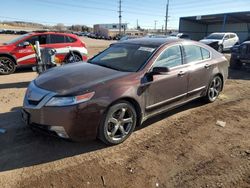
point(221, 76)
point(9, 56)
point(74, 52)
point(135, 105)
point(77, 53)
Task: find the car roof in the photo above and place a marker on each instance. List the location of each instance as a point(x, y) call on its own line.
point(153, 42)
point(51, 32)
point(223, 33)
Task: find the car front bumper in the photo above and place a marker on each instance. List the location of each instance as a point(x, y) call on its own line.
point(77, 122)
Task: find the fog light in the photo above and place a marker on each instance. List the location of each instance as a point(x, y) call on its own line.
point(60, 131)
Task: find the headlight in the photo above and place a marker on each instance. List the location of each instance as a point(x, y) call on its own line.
point(67, 101)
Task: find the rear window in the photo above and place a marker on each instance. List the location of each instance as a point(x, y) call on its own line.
point(57, 39)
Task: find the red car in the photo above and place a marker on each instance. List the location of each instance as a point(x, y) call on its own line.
point(18, 52)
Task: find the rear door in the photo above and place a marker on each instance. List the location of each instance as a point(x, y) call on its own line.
point(200, 69)
point(58, 42)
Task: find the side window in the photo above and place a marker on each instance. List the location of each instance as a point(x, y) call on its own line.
point(232, 36)
point(227, 37)
point(69, 39)
point(171, 57)
point(192, 53)
point(56, 39)
point(43, 39)
point(205, 54)
point(32, 40)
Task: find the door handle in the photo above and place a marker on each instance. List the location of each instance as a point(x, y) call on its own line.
point(181, 73)
point(207, 66)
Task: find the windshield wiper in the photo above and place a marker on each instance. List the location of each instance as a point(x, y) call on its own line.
point(106, 66)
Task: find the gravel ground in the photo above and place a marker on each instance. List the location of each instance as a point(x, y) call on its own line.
point(181, 148)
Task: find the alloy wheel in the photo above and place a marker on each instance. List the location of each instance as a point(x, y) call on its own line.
point(7, 66)
point(215, 88)
point(120, 123)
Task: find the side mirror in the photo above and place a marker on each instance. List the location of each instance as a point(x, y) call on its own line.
point(24, 44)
point(160, 70)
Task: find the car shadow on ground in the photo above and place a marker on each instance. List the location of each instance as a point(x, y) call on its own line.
point(14, 85)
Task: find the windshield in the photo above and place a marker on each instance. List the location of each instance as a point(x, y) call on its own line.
point(124, 57)
point(215, 36)
point(17, 39)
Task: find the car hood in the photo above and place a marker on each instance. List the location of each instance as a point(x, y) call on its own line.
point(209, 41)
point(76, 77)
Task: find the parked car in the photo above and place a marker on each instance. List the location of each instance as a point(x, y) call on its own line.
point(18, 52)
point(128, 37)
point(221, 41)
point(180, 35)
point(123, 86)
point(240, 55)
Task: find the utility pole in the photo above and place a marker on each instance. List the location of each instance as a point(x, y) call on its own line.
point(137, 24)
point(166, 21)
point(155, 24)
point(120, 17)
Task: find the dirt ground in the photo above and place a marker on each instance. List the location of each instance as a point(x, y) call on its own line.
point(181, 148)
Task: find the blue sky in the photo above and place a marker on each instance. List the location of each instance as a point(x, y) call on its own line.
point(89, 12)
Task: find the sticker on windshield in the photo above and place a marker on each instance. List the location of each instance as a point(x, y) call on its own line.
point(146, 49)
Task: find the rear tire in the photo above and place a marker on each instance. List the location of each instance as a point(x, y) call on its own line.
point(7, 65)
point(73, 58)
point(214, 89)
point(118, 124)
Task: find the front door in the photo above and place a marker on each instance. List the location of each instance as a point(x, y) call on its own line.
point(168, 88)
point(25, 54)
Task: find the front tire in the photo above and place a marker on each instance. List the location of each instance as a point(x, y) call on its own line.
point(220, 48)
point(119, 123)
point(7, 65)
point(214, 89)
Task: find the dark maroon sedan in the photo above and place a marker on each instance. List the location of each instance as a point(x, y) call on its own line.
point(123, 86)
